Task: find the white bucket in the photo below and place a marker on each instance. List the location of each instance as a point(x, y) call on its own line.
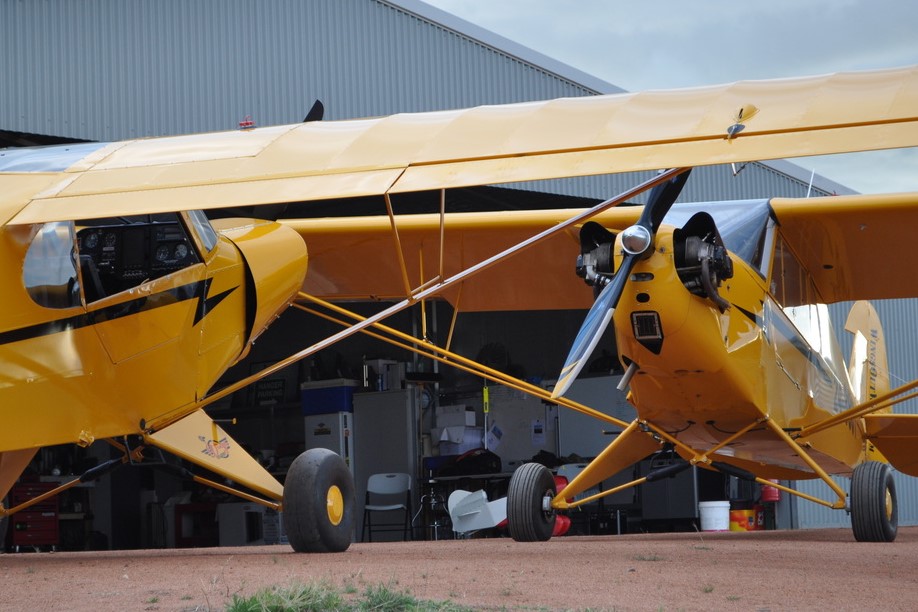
point(715, 515)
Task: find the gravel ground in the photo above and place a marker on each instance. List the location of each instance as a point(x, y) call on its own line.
point(773, 570)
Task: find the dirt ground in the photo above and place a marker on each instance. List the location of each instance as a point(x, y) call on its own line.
point(773, 570)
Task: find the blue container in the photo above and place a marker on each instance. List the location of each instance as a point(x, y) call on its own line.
point(328, 396)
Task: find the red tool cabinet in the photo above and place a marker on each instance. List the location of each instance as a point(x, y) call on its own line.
point(38, 524)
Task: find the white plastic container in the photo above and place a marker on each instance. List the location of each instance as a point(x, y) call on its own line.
point(715, 515)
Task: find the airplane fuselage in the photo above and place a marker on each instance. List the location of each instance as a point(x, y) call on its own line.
point(711, 372)
point(113, 327)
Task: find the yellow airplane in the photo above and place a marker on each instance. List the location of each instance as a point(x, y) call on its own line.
point(124, 303)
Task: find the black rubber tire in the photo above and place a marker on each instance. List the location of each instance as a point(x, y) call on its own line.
point(874, 509)
point(310, 479)
point(526, 520)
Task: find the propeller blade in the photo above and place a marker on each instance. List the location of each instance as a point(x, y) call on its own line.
point(316, 112)
point(596, 322)
point(659, 202)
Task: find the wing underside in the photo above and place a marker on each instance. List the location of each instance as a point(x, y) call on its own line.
point(896, 436)
point(855, 247)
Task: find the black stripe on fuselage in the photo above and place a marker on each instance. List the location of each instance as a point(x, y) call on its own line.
point(196, 290)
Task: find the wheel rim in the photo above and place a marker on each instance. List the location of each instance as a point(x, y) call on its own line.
point(334, 505)
point(547, 510)
point(889, 505)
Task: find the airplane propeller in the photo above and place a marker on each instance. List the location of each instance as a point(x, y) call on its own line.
point(636, 241)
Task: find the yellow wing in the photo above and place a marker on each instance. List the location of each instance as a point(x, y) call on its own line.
point(895, 435)
point(855, 247)
point(489, 145)
point(357, 258)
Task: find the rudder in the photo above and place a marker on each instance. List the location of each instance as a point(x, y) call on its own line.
point(868, 370)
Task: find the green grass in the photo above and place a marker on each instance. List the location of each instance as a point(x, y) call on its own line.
point(324, 597)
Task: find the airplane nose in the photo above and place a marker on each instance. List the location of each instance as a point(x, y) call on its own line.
point(275, 261)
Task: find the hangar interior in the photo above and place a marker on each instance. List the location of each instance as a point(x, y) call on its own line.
point(382, 407)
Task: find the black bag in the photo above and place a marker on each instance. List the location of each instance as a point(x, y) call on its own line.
point(478, 461)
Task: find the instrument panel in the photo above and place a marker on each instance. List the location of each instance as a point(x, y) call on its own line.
point(125, 255)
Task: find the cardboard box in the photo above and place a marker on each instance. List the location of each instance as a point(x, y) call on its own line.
point(455, 416)
point(328, 396)
point(458, 440)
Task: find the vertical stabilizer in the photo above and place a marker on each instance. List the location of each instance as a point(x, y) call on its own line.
point(867, 367)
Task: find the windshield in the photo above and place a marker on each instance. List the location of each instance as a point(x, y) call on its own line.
point(45, 159)
point(741, 223)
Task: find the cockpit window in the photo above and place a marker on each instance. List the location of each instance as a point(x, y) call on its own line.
point(204, 229)
point(49, 272)
point(123, 252)
point(790, 284)
point(742, 225)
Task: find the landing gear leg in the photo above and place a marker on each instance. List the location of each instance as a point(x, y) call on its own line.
point(530, 517)
point(319, 502)
point(874, 510)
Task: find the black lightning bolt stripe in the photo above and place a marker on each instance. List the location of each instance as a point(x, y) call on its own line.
point(749, 315)
point(192, 291)
point(206, 304)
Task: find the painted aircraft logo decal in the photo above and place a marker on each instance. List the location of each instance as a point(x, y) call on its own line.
point(217, 450)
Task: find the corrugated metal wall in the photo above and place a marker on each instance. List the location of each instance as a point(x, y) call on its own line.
point(707, 184)
point(116, 69)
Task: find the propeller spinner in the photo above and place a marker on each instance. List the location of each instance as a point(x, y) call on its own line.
point(636, 242)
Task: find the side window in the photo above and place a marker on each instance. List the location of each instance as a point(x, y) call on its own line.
point(49, 272)
point(790, 283)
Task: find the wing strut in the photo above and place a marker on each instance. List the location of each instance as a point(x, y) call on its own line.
point(431, 290)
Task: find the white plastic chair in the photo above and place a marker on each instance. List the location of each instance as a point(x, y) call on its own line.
point(391, 486)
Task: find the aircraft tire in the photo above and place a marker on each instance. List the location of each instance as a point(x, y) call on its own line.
point(319, 509)
point(874, 509)
point(527, 521)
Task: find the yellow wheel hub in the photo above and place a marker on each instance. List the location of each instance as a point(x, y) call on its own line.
point(889, 505)
point(334, 505)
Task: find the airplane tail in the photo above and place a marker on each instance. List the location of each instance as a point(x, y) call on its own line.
point(867, 366)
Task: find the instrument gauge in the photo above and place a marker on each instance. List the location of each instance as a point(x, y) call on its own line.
point(109, 240)
point(162, 252)
point(181, 250)
point(91, 240)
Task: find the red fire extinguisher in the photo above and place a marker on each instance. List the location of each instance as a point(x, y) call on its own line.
point(771, 494)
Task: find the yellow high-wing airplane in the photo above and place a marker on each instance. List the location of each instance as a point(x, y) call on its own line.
point(123, 308)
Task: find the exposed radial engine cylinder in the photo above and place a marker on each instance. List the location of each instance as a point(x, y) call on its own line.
point(702, 260)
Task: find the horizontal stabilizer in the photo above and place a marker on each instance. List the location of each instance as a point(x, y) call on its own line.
point(198, 439)
point(896, 436)
point(471, 511)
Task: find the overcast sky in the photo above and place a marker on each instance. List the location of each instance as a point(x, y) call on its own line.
point(663, 44)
